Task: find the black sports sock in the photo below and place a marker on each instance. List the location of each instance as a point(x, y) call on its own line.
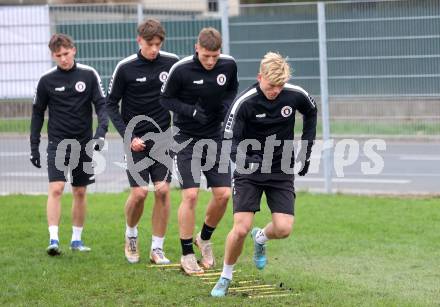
point(206, 232)
point(187, 246)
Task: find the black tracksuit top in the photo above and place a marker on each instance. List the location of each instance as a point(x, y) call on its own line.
point(253, 116)
point(69, 95)
point(137, 82)
point(190, 84)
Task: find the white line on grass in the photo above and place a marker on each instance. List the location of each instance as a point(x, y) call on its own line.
point(23, 174)
point(397, 174)
point(14, 154)
point(420, 157)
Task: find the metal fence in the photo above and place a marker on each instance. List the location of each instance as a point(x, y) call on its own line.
point(383, 59)
point(383, 48)
point(104, 35)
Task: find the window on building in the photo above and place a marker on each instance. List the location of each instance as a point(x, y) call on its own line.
point(213, 5)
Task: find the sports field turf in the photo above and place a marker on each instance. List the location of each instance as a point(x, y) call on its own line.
point(345, 251)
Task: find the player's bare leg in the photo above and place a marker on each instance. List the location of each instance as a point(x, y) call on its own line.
point(279, 228)
point(233, 248)
point(159, 221)
point(214, 213)
point(236, 237)
point(79, 206)
point(134, 208)
point(217, 205)
point(186, 218)
point(53, 211)
point(79, 209)
point(54, 202)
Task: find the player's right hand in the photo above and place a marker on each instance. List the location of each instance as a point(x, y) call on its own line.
point(305, 168)
point(35, 158)
point(253, 162)
point(200, 116)
point(137, 144)
point(99, 144)
point(303, 157)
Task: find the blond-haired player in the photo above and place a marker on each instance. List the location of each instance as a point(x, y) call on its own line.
point(262, 118)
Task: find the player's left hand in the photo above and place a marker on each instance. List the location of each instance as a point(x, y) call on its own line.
point(305, 168)
point(200, 116)
point(99, 144)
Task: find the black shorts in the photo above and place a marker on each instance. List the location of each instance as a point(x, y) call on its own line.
point(248, 189)
point(198, 157)
point(80, 176)
point(141, 177)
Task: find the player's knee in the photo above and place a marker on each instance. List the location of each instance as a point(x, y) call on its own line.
point(56, 189)
point(190, 199)
point(56, 193)
point(79, 193)
point(241, 231)
point(161, 191)
point(223, 196)
point(139, 194)
point(283, 231)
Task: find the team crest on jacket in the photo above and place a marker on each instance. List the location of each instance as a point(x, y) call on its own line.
point(286, 111)
point(221, 79)
point(163, 76)
point(80, 86)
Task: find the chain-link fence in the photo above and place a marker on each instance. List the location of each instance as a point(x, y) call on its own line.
point(382, 56)
point(383, 60)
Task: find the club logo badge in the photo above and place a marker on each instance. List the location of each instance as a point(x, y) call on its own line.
point(286, 111)
point(163, 76)
point(221, 79)
point(80, 86)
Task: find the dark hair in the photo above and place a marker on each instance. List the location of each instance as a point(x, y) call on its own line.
point(151, 28)
point(59, 40)
point(210, 39)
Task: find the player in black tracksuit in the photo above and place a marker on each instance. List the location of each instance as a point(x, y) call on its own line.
point(69, 91)
point(264, 116)
point(192, 90)
point(136, 82)
point(198, 91)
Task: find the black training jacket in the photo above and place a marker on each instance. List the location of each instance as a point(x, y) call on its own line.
point(189, 85)
point(253, 116)
point(137, 81)
point(69, 96)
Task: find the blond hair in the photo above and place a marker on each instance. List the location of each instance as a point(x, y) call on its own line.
point(275, 68)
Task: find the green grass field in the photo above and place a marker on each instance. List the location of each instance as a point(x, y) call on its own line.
point(337, 127)
point(344, 251)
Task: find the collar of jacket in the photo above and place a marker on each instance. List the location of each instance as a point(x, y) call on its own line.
point(69, 70)
point(141, 57)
